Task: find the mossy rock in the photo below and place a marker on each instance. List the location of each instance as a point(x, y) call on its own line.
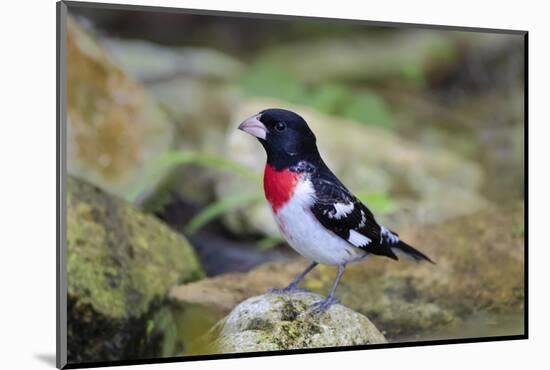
point(273, 322)
point(120, 262)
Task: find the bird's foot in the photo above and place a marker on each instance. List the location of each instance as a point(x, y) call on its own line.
point(322, 306)
point(289, 289)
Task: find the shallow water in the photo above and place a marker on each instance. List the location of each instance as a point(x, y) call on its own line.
point(477, 325)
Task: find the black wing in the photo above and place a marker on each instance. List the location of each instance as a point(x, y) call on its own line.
point(341, 212)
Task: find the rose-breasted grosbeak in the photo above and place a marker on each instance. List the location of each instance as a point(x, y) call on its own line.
point(318, 216)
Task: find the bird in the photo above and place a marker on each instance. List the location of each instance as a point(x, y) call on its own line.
point(317, 215)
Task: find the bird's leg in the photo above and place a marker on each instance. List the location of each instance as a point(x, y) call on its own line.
point(321, 306)
point(294, 284)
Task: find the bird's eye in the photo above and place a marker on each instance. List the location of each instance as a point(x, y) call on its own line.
point(280, 126)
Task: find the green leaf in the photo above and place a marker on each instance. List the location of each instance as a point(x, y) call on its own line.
point(269, 80)
point(175, 158)
point(149, 327)
point(368, 107)
point(414, 73)
point(217, 208)
point(518, 230)
point(378, 202)
point(269, 242)
point(208, 160)
point(265, 79)
point(330, 98)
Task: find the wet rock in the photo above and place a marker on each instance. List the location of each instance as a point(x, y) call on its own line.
point(478, 271)
point(279, 322)
point(120, 264)
point(115, 130)
point(427, 185)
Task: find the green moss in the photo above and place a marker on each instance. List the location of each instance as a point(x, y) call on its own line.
point(259, 324)
point(296, 334)
point(118, 258)
point(289, 312)
point(294, 330)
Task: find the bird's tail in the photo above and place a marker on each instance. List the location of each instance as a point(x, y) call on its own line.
point(405, 249)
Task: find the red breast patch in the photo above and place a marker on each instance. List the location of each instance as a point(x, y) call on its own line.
point(279, 186)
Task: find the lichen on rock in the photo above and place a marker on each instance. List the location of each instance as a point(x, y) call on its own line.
point(279, 322)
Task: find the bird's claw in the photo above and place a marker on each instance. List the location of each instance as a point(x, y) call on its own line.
point(323, 305)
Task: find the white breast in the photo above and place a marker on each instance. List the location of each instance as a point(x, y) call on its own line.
point(307, 236)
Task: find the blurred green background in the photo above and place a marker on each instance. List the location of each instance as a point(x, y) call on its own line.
point(166, 216)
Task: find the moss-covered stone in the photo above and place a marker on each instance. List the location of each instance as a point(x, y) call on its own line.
point(279, 322)
point(120, 261)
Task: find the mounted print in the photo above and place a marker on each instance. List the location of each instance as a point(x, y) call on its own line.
point(235, 184)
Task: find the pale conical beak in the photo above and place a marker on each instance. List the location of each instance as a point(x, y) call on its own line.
point(254, 127)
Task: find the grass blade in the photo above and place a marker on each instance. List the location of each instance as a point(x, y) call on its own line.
point(175, 158)
point(378, 202)
point(216, 209)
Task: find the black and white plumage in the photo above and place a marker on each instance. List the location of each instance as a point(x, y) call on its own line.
point(318, 216)
point(337, 209)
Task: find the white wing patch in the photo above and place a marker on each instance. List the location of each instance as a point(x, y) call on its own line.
point(363, 220)
point(357, 239)
point(390, 237)
point(341, 210)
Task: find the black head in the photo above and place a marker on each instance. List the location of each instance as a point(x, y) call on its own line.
point(285, 136)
